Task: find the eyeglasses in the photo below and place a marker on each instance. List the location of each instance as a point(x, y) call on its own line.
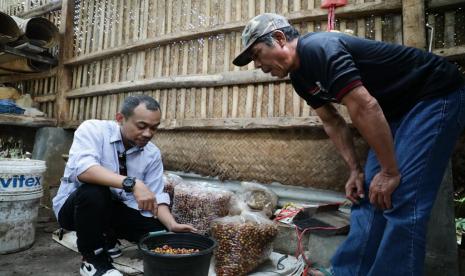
point(122, 163)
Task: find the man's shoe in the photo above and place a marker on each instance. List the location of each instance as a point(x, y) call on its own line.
point(114, 252)
point(111, 246)
point(113, 249)
point(98, 265)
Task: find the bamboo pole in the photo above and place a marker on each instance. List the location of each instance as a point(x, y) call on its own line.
point(99, 41)
point(224, 102)
point(271, 100)
point(113, 22)
point(199, 81)
point(119, 40)
point(41, 10)
point(312, 122)
point(282, 99)
point(64, 74)
point(413, 22)
point(258, 111)
point(361, 28)
point(449, 29)
point(32, 76)
point(211, 99)
point(378, 28)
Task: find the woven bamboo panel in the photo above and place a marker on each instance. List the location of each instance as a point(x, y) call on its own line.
point(298, 157)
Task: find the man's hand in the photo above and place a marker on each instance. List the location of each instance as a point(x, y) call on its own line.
point(381, 188)
point(177, 227)
point(354, 186)
point(145, 198)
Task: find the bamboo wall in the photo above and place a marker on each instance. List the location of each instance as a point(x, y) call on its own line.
point(110, 24)
point(218, 119)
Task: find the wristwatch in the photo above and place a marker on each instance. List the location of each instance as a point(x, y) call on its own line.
point(128, 184)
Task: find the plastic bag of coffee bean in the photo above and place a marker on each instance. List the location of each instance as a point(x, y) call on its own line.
point(244, 242)
point(199, 205)
point(259, 198)
point(170, 181)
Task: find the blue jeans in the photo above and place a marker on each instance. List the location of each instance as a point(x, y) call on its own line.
point(392, 242)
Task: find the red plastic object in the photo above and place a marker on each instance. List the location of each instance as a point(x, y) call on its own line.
point(325, 4)
point(331, 5)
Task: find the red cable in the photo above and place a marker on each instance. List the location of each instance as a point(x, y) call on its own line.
point(300, 250)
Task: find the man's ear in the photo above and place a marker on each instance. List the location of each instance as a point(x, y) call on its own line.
point(119, 118)
point(280, 38)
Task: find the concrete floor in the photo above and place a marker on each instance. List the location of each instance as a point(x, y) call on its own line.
point(45, 257)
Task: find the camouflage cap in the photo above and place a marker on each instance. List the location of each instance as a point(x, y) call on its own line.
point(258, 26)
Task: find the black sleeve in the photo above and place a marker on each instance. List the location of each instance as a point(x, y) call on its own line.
point(332, 65)
point(314, 102)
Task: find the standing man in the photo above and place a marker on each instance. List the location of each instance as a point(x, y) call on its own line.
point(409, 105)
point(112, 185)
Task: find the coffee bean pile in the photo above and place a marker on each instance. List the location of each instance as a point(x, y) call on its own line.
point(166, 249)
point(241, 246)
point(199, 206)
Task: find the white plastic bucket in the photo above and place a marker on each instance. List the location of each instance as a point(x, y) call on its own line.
point(20, 193)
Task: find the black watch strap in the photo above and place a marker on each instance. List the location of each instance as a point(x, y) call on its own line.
point(128, 184)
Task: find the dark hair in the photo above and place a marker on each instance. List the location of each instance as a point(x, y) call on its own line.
point(289, 31)
point(131, 102)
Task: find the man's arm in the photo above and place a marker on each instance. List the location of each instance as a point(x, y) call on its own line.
point(338, 131)
point(85, 155)
point(165, 217)
point(100, 175)
point(368, 118)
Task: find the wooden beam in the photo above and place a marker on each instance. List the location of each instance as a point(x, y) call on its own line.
point(44, 9)
point(44, 98)
point(30, 76)
point(453, 53)
point(189, 81)
point(413, 23)
point(64, 74)
point(240, 123)
point(232, 123)
point(435, 4)
point(371, 8)
point(20, 120)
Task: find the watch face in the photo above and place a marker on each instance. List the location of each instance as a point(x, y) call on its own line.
point(128, 183)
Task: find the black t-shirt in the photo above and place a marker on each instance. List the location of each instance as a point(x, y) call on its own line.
point(332, 64)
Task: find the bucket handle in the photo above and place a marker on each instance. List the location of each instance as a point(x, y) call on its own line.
point(156, 233)
point(149, 234)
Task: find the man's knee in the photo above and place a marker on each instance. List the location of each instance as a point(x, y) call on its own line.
point(96, 196)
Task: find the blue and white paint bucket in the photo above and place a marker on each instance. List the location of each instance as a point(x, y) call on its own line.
point(20, 193)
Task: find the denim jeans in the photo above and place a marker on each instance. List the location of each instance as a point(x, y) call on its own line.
point(392, 242)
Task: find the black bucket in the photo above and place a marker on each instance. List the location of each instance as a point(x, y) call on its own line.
point(194, 264)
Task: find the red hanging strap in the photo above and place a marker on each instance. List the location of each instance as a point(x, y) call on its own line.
point(331, 18)
point(331, 5)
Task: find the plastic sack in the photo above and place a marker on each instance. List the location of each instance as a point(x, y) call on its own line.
point(236, 205)
point(244, 242)
point(9, 93)
point(259, 198)
point(9, 106)
point(170, 181)
point(199, 205)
